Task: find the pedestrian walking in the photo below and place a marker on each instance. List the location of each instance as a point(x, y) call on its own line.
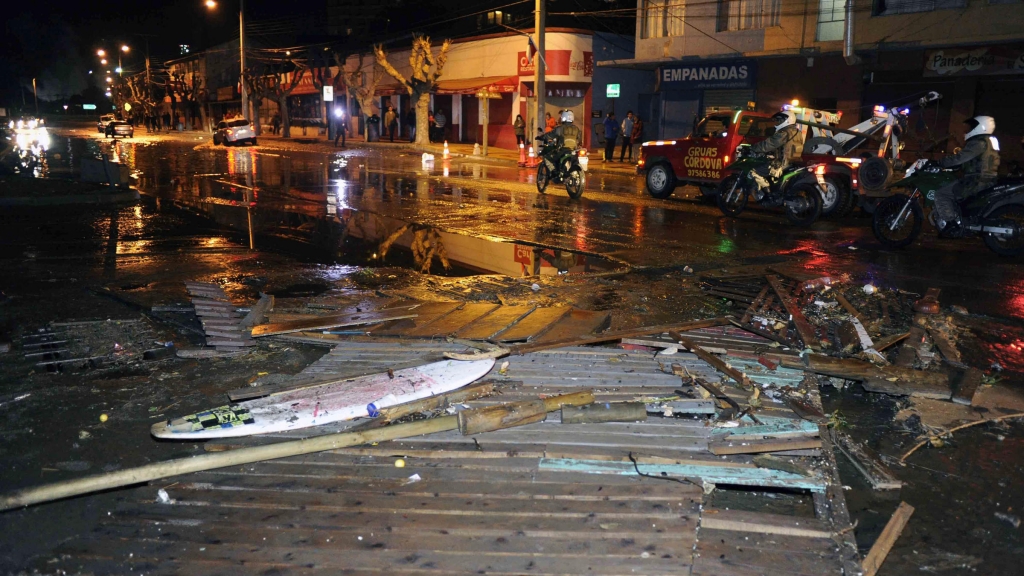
point(637, 137)
point(549, 122)
point(410, 121)
point(167, 121)
point(340, 129)
point(391, 121)
point(611, 130)
point(627, 136)
point(441, 121)
point(275, 123)
point(519, 127)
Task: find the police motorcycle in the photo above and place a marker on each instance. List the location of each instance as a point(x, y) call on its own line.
point(794, 188)
point(559, 164)
point(996, 213)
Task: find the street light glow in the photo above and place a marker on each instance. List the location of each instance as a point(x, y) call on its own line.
point(103, 61)
point(118, 69)
point(125, 48)
point(101, 52)
point(211, 4)
point(109, 79)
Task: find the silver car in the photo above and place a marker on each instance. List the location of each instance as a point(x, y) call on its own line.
point(119, 128)
point(235, 131)
point(101, 126)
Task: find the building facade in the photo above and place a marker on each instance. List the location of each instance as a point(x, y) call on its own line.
point(706, 55)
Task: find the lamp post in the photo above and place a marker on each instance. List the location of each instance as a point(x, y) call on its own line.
point(212, 4)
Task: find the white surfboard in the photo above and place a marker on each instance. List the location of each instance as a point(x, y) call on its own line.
point(323, 404)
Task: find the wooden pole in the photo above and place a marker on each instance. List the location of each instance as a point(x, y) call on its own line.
point(605, 412)
point(880, 549)
point(117, 479)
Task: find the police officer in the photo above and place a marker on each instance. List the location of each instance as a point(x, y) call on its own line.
point(980, 160)
point(786, 143)
point(569, 134)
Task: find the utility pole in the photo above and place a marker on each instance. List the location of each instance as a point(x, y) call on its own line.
point(35, 95)
point(538, 84)
point(241, 57)
point(149, 86)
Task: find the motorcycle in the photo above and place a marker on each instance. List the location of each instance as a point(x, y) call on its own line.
point(559, 166)
point(996, 213)
point(792, 189)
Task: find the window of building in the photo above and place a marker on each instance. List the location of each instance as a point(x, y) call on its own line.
point(831, 17)
point(663, 18)
point(748, 14)
point(890, 7)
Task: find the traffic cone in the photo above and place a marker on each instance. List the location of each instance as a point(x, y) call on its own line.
point(531, 161)
point(522, 155)
point(446, 154)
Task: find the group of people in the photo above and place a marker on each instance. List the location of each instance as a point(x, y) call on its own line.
point(631, 130)
point(157, 122)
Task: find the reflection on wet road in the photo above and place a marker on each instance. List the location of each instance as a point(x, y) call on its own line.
point(303, 196)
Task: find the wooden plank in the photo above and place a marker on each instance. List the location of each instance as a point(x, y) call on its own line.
point(760, 523)
point(908, 352)
point(847, 306)
point(947, 348)
point(880, 549)
point(533, 325)
point(258, 312)
point(325, 322)
point(725, 553)
point(870, 467)
point(965, 385)
point(498, 320)
point(806, 331)
point(422, 314)
point(889, 341)
point(578, 323)
point(452, 322)
point(752, 309)
point(760, 446)
point(218, 342)
point(711, 359)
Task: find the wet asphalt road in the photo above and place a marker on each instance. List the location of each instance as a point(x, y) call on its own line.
point(294, 191)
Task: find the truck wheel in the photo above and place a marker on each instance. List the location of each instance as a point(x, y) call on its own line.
point(888, 231)
point(1011, 216)
point(874, 174)
point(732, 196)
point(836, 200)
point(661, 181)
point(803, 204)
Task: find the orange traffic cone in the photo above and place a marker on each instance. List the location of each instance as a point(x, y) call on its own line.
point(531, 161)
point(522, 155)
point(446, 154)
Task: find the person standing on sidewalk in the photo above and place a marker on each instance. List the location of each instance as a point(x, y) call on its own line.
point(627, 136)
point(549, 122)
point(611, 130)
point(275, 123)
point(440, 120)
point(391, 121)
point(637, 137)
point(341, 127)
point(519, 127)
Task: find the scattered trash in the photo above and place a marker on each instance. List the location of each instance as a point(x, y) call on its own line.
point(400, 463)
point(870, 289)
point(84, 435)
point(413, 479)
point(687, 269)
point(103, 417)
point(1010, 518)
point(956, 309)
point(163, 497)
point(504, 368)
point(535, 287)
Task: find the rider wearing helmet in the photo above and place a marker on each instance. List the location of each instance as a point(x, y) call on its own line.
point(569, 134)
point(980, 160)
point(786, 143)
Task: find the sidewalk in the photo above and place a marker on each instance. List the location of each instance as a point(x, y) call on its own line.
point(462, 151)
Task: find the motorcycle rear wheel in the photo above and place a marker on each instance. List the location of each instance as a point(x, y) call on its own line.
point(575, 182)
point(1009, 216)
point(732, 196)
point(803, 204)
point(543, 176)
point(885, 214)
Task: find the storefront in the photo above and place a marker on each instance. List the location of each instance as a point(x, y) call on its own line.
point(690, 91)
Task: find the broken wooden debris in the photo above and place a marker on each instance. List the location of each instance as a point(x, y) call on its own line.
point(758, 446)
point(439, 402)
point(782, 464)
point(965, 385)
point(870, 467)
point(491, 418)
point(895, 380)
point(932, 437)
point(711, 359)
point(325, 322)
point(258, 312)
point(803, 327)
point(880, 549)
point(605, 412)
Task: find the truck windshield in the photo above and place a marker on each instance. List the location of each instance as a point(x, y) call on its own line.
point(756, 126)
point(713, 127)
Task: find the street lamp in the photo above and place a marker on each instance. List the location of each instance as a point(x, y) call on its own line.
point(103, 61)
point(125, 48)
point(101, 53)
point(212, 4)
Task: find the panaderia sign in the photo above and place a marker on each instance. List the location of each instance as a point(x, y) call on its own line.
point(712, 74)
point(974, 61)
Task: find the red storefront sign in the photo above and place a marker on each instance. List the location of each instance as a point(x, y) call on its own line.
point(558, 63)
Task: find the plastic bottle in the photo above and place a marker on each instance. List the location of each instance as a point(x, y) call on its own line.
point(818, 283)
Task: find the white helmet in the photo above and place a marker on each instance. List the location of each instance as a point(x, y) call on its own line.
point(567, 116)
point(980, 125)
point(783, 119)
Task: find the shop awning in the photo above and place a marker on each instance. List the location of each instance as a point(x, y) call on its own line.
point(498, 84)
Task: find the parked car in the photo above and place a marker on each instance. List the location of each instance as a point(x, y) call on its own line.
point(235, 131)
point(101, 126)
point(119, 128)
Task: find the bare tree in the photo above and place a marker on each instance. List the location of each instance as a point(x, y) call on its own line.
point(361, 84)
point(257, 92)
point(426, 69)
point(276, 80)
point(188, 87)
